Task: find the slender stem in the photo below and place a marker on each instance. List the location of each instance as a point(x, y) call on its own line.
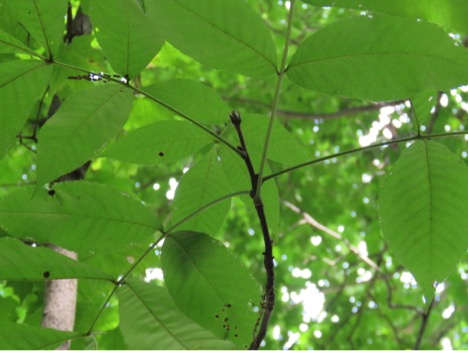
point(104, 305)
point(359, 149)
point(149, 96)
point(274, 108)
point(425, 319)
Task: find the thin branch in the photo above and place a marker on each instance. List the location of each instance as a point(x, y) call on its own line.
point(325, 116)
point(310, 220)
point(274, 108)
point(425, 319)
point(364, 148)
point(268, 302)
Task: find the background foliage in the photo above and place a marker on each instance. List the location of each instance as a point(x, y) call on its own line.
point(368, 138)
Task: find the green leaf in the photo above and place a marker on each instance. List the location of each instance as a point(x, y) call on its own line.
point(9, 44)
point(362, 58)
point(149, 320)
point(15, 336)
point(23, 262)
point(44, 19)
point(202, 184)
point(284, 148)
point(22, 83)
point(192, 99)
point(451, 14)
point(224, 34)
point(160, 142)
point(422, 105)
point(125, 34)
point(80, 128)
point(210, 285)
point(80, 216)
point(424, 212)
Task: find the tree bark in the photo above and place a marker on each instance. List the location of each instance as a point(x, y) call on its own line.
point(60, 301)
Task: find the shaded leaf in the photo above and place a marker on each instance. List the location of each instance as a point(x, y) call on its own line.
point(422, 104)
point(23, 262)
point(362, 58)
point(80, 216)
point(283, 148)
point(125, 34)
point(447, 13)
point(44, 19)
point(82, 125)
point(160, 142)
point(210, 285)
point(223, 34)
point(22, 83)
point(192, 99)
point(424, 211)
point(149, 320)
point(202, 184)
point(15, 336)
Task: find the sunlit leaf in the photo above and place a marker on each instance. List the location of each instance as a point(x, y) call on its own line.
point(94, 217)
point(224, 34)
point(23, 262)
point(125, 34)
point(22, 83)
point(424, 211)
point(192, 99)
point(160, 142)
point(82, 125)
point(202, 184)
point(210, 285)
point(362, 58)
point(150, 320)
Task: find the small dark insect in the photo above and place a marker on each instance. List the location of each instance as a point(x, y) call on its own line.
point(46, 274)
point(51, 192)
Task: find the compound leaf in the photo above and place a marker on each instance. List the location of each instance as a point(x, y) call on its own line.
point(424, 212)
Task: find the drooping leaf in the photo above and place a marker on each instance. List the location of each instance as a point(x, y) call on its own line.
point(79, 216)
point(362, 58)
point(222, 34)
point(23, 262)
point(202, 184)
point(150, 320)
point(192, 99)
point(44, 19)
point(210, 285)
point(125, 34)
point(160, 142)
point(22, 83)
point(451, 14)
point(424, 211)
point(82, 125)
point(15, 336)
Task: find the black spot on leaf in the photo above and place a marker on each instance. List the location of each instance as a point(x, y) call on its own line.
point(161, 154)
point(46, 274)
point(51, 192)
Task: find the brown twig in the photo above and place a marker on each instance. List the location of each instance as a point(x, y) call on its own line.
point(268, 259)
